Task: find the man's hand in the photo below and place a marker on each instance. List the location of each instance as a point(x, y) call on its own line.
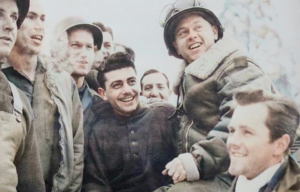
point(176, 170)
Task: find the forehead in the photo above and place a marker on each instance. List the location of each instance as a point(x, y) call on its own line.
point(107, 37)
point(36, 7)
point(154, 78)
point(190, 19)
point(253, 115)
point(8, 6)
point(81, 35)
point(119, 75)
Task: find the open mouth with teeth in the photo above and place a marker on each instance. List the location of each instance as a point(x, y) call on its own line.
point(6, 39)
point(37, 38)
point(235, 154)
point(194, 46)
point(127, 98)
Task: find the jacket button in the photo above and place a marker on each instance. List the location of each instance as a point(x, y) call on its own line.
point(135, 155)
point(134, 143)
point(132, 132)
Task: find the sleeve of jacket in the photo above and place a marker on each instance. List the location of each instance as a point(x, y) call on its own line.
point(211, 155)
point(29, 169)
point(95, 179)
point(78, 142)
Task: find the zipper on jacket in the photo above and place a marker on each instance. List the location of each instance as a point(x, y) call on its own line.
point(186, 137)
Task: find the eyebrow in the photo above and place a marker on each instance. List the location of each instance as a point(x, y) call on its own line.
point(36, 15)
point(3, 10)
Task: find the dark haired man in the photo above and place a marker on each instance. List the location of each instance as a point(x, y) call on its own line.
point(261, 132)
point(213, 69)
point(20, 167)
point(55, 102)
point(130, 143)
point(155, 84)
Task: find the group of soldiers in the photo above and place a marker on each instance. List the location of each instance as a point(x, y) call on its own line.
point(79, 120)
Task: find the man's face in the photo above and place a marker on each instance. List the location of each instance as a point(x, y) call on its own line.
point(155, 86)
point(250, 149)
point(80, 51)
point(8, 29)
point(31, 34)
point(122, 90)
point(107, 49)
point(193, 37)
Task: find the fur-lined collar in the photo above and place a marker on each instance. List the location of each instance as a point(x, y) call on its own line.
point(204, 66)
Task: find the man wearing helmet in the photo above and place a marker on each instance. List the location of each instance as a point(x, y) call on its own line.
point(213, 69)
point(74, 45)
point(55, 102)
point(20, 168)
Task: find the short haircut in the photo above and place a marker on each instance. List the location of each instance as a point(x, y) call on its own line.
point(104, 28)
point(176, 22)
point(152, 71)
point(128, 50)
point(114, 62)
point(283, 117)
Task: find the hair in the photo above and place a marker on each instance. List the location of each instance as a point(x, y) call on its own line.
point(152, 71)
point(128, 50)
point(104, 28)
point(283, 117)
point(177, 20)
point(114, 62)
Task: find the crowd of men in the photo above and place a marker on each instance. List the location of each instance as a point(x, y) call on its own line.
point(76, 121)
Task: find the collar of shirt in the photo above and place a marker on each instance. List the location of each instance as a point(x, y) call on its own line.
point(245, 185)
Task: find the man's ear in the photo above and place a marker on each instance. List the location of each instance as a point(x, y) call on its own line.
point(102, 93)
point(176, 47)
point(282, 144)
point(215, 31)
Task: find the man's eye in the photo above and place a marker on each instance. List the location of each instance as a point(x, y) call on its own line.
point(147, 88)
point(231, 131)
point(30, 16)
point(248, 132)
point(132, 82)
point(107, 46)
point(75, 45)
point(198, 27)
point(14, 17)
point(89, 47)
point(182, 33)
point(116, 85)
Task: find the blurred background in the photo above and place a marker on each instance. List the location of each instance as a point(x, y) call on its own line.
point(269, 29)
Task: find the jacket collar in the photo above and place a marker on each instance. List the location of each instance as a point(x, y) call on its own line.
point(205, 65)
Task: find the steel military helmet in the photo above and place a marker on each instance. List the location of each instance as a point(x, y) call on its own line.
point(23, 7)
point(75, 21)
point(173, 11)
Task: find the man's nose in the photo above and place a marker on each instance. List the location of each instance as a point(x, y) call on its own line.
point(154, 92)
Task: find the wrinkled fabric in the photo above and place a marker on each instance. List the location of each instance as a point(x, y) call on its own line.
point(59, 123)
point(286, 179)
point(128, 154)
point(206, 87)
point(20, 168)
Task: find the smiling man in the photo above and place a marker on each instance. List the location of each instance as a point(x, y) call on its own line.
point(155, 84)
point(130, 144)
point(55, 102)
point(261, 132)
point(213, 68)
